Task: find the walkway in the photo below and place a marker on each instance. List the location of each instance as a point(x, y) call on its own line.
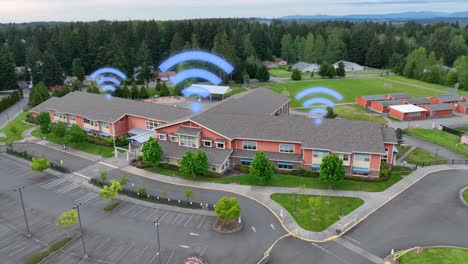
point(432, 148)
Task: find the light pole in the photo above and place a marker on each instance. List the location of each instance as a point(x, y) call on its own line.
point(77, 208)
point(24, 211)
point(156, 223)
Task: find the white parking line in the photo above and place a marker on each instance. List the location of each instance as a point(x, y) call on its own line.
point(201, 222)
point(193, 234)
point(170, 257)
point(108, 252)
point(160, 219)
point(330, 253)
point(139, 212)
point(188, 221)
point(202, 252)
point(126, 211)
point(149, 216)
point(87, 197)
point(184, 246)
point(62, 261)
point(253, 228)
point(352, 239)
point(16, 251)
point(175, 219)
point(272, 226)
point(126, 251)
point(67, 188)
point(155, 256)
point(53, 183)
point(141, 253)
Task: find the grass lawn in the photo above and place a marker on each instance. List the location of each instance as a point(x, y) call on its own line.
point(436, 256)
point(354, 112)
point(316, 213)
point(421, 156)
point(463, 129)
point(402, 150)
point(280, 73)
point(465, 196)
point(285, 180)
point(352, 87)
point(105, 152)
point(20, 126)
point(235, 90)
point(441, 138)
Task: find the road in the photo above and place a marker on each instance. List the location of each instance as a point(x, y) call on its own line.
point(12, 111)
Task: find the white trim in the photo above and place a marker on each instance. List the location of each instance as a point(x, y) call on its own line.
point(294, 148)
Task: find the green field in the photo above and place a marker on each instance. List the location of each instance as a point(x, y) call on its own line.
point(421, 156)
point(316, 213)
point(441, 138)
point(20, 125)
point(354, 112)
point(465, 196)
point(352, 87)
point(436, 256)
point(105, 152)
point(463, 129)
point(402, 150)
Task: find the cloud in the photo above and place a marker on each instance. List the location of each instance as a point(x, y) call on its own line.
point(400, 2)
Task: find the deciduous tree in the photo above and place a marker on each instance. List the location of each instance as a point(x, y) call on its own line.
point(227, 209)
point(261, 168)
point(152, 152)
point(332, 170)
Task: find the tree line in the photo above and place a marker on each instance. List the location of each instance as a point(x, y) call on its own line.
point(51, 51)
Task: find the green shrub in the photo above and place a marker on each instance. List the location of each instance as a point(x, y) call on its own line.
point(142, 192)
point(169, 166)
point(305, 173)
point(58, 245)
point(384, 170)
point(111, 207)
point(243, 168)
point(36, 258)
point(140, 158)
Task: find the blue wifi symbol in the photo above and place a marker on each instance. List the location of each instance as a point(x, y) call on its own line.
point(196, 72)
point(319, 100)
point(105, 77)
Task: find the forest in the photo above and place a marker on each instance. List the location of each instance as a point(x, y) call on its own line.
point(54, 50)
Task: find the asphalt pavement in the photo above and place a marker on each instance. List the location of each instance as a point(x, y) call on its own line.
point(13, 110)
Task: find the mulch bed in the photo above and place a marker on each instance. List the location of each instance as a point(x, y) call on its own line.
point(228, 227)
point(195, 260)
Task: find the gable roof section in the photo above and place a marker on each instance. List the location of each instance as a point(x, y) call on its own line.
point(399, 95)
point(98, 107)
point(407, 108)
point(390, 102)
point(439, 107)
point(389, 135)
point(418, 100)
point(260, 101)
point(377, 97)
point(449, 98)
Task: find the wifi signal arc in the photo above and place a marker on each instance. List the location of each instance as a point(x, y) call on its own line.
point(196, 56)
point(114, 71)
point(319, 100)
point(108, 80)
point(196, 73)
point(316, 90)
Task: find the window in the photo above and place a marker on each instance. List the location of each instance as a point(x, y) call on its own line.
point(188, 141)
point(86, 121)
point(207, 143)
point(250, 145)
point(95, 123)
point(162, 137)
point(105, 125)
point(285, 165)
point(173, 138)
point(345, 157)
point(246, 162)
point(386, 150)
point(220, 145)
point(320, 154)
point(151, 125)
point(71, 117)
point(361, 157)
point(414, 114)
point(286, 148)
point(56, 114)
point(213, 168)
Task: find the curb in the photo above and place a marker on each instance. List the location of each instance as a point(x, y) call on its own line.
point(389, 259)
point(460, 195)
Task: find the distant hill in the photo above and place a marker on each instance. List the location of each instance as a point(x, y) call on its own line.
point(405, 16)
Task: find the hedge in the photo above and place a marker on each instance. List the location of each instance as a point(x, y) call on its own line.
point(25, 155)
point(38, 257)
point(58, 245)
point(9, 100)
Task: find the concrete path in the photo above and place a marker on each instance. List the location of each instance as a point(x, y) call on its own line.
point(403, 157)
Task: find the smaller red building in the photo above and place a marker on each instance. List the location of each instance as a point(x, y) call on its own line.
point(383, 106)
point(366, 101)
point(439, 110)
point(418, 101)
point(462, 108)
point(464, 97)
point(407, 112)
point(446, 99)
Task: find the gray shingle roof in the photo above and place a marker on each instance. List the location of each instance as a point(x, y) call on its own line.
point(335, 134)
point(418, 100)
point(214, 155)
point(271, 155)
point(389, 135)
point(189, 131)
point(449, 98)
point(465, 104)
point(438, 107)
point(98, 107)
point(390, 102)
point(260, 101)
point(399, 95)
point(377, 97)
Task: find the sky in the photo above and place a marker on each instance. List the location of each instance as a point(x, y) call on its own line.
point(91, 10)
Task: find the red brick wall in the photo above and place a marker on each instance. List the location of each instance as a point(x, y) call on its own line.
point(362, 102)
point(121, 127)
point(442, 113)
point(396, 114)
point(375, 162)
point(378, 107)
point(390, 153)
point(307, 156)
point(462, 109)
point(79, 121)
point(435, 100)
point(267, 146)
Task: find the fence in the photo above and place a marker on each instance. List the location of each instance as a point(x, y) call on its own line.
point(452, 131)
point(158, 199)
point(25, 155)
point(441, 162)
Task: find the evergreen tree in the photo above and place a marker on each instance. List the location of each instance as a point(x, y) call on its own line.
point(374, 57)
point(331, 72)
point(143, 94)
point(309, 54)
point(287, 48)
point(177, 43)
point(78, 70)
point(93, 89)
point(126, 92)
point(263, 74)
point(134, 91)
point(319, 48)
point(324, 69)
point(164, 90)
point(340, 71)
point(7, 69)
point(158, 86)
point(52, 72)
point(296, 75)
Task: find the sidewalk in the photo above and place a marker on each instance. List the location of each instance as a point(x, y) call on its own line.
point(373, 200)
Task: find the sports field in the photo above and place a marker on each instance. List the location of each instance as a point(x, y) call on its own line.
point(352, 87)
